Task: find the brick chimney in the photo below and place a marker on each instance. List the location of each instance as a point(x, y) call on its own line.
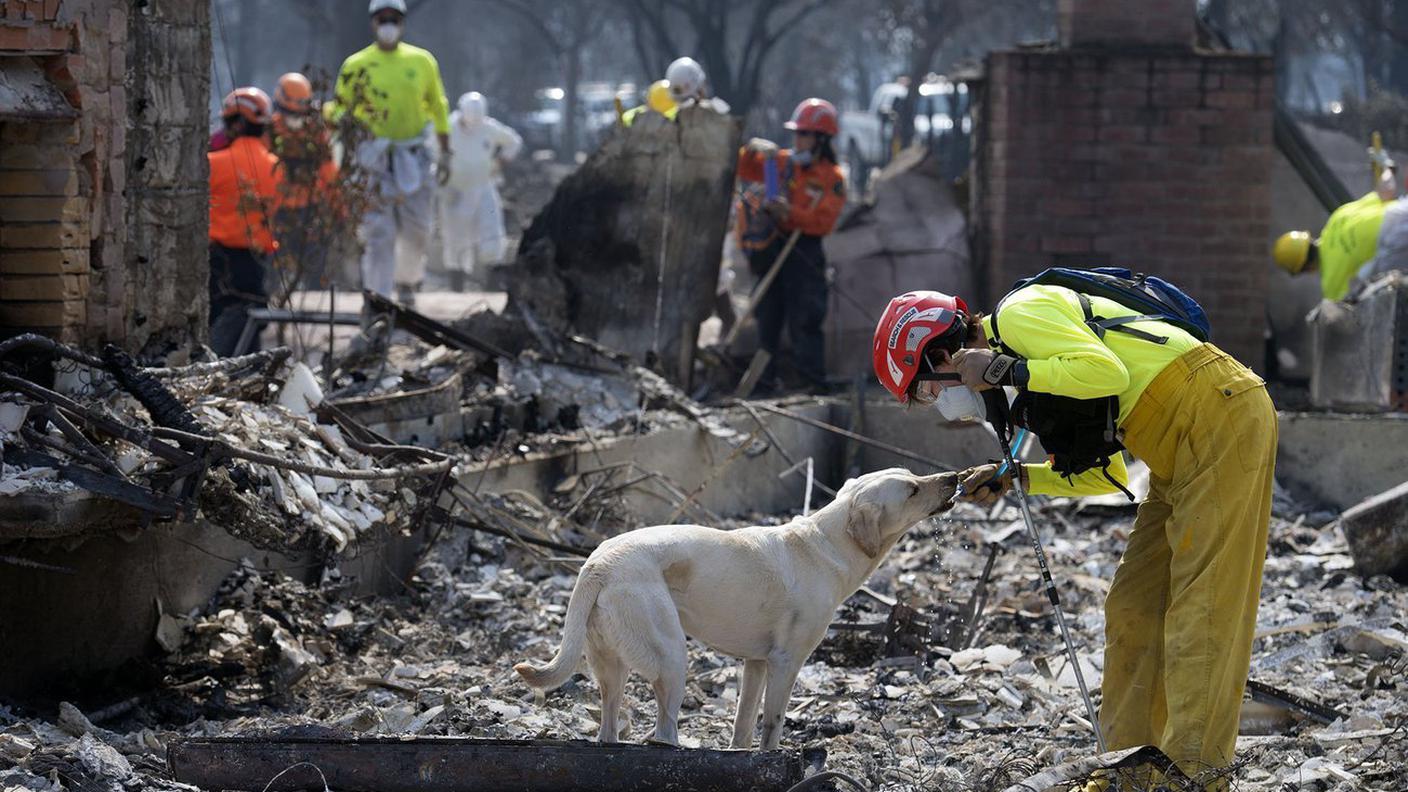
point(1124, 23)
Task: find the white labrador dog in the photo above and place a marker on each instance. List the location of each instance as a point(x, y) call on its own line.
point(763, 594)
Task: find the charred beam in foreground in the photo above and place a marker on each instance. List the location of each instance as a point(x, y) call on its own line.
point(448, 764)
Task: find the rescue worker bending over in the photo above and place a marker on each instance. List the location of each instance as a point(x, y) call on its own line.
point(1361, 241)
point(472, 219)
point(1181, 612)
point(395, 89)
point(307, 209)
point(810, 195)
point(244, 195)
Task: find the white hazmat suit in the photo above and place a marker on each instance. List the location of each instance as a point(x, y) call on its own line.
point(472, 220)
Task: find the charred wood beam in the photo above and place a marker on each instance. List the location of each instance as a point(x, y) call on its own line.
point(473, 765)
point(429, 330)
point(97, 420)
point(155, 503)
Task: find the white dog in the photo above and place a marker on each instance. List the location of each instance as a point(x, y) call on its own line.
point(763, 594)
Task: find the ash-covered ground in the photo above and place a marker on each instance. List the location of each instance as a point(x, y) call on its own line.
point(270, 652)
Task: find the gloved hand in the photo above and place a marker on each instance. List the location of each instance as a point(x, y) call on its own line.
point(974, 480)
point(762, 146)
point(779, 209)
point(442, 172)
point(982, 369)
point(971, 363)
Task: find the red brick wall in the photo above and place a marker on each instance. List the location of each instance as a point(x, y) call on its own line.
point(1160, 163)
point(1117, 22)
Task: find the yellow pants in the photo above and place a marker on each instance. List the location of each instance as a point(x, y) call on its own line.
point(1181, 612)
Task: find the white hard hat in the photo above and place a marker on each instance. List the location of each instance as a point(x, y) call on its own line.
point(473, 107)
point(382, 5)
point(686, 77)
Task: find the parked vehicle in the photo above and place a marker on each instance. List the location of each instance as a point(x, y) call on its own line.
point(868, 138)
point(542, 128)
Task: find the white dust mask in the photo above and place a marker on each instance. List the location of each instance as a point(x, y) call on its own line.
point(388, 33)
point(958, 403)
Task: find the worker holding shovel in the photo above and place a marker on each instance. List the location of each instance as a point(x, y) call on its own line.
point(1102, 362)
point(790, 199)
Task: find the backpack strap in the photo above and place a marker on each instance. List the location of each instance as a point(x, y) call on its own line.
point(1098, 324)
point(1119, 324)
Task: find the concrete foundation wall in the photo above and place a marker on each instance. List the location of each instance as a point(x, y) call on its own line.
point(1339, 460)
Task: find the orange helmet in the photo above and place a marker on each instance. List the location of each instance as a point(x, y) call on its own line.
point(814, 115)
point(249, 103)
point(294, 94)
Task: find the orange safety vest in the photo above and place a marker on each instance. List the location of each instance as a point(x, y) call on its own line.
point(306, 164)
point(244, 192)
point(816, 194)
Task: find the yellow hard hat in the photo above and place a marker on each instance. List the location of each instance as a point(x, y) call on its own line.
point(658, 97)
point(1292, 251)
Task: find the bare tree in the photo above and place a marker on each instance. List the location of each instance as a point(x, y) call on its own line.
point(567, 28)
point(732, 38)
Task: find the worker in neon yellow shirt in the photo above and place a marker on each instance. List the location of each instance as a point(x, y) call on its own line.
point(1361, 240)
point(1181, 611)
point(395, 89)
point(657, 100)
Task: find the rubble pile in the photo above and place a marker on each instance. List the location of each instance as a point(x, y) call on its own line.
point(239, 443)
point(938, 677)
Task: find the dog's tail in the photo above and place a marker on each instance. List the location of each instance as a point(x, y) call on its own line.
point(574, 633)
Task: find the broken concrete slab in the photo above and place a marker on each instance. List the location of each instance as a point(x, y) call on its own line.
point(628, 250)
point(1339, 459)
point(1377, 531)
point(1357, 350)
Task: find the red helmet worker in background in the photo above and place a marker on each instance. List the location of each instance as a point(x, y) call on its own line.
point(808, 193)
point(244, 194)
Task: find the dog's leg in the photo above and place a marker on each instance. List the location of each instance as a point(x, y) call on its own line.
point(672, 658)
point(669, 695)
point(782, 673)
point(610, 673)
point(750, 693)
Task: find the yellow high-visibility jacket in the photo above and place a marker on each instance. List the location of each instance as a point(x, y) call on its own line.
point(1045, 325)
point(394, 92)
point(629, 117)
point(1347, 242)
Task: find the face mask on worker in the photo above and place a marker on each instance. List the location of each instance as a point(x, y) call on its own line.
point(958, 403)
point(295, 121)
point(388, 33)
point(802, 158)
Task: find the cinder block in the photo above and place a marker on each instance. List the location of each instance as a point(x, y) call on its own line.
point(1377, 530)
point(43, 209)
point(41, 314)
point(44, 262)
point(41, 235)
point(43, 287)
point(38, 182)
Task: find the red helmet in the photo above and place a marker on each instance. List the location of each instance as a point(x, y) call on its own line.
point(909, 322)
point(251, 104)
point(814, 115)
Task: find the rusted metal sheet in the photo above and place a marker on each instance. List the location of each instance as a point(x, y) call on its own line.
point(451, 764)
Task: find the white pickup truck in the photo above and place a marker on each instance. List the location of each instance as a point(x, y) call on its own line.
point(868, 135)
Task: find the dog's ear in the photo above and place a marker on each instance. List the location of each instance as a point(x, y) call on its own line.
point(863, 526)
